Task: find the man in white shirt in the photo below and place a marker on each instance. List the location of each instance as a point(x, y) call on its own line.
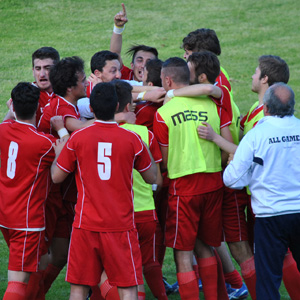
point(267, 160)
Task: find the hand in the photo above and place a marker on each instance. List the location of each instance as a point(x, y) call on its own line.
point(57, 123)
point(230, 158)
point(206, 132)
point(58, 145)
point(132, 107)
point(130, 117)
point(9, 104)
point(157, 95)
point(121, 17)
point(94, 79)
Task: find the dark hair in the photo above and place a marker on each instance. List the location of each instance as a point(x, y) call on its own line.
point(98, 60)
point(65, 74)
point(135, 48)
point(280, 100)
point(202, 39)
point(153, 67)
point(25, 99)
point(205, 62)
point(45, 52)
point(275, 68)
point(104, 100)
point(177, 69)
point(123, 89)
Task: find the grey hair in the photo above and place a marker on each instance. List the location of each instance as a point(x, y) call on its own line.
point(280, 100)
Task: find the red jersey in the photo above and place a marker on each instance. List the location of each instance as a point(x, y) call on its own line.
point(26, 158)
point(145, 113)
point(89, 89)
point(57, 107)
point(222, 80)
point(103, 156)
point(126, 73)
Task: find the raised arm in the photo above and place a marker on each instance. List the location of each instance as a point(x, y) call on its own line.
point(120, 20)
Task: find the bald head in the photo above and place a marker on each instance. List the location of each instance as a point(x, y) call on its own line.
point(280, 100)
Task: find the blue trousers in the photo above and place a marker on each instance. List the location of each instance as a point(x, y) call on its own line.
point(272, 238)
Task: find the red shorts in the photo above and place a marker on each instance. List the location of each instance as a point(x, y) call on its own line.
point(24, 249)
point(234, 215)
point(146, 233)
point(191, 217)
point(116, 252)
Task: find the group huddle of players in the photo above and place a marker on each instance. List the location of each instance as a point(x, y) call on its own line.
point(107, 229)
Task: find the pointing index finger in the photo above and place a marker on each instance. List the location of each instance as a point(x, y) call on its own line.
point(124, 9)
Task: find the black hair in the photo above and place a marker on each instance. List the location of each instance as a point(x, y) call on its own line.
point(45, 52)
point(135, 48)
point(177, 69)
point(99, 59)
point(104, 100)
point(65, 74)
point(25, 99)
point(153, 67)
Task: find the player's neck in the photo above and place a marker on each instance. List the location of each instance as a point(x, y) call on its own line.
point(31, 121)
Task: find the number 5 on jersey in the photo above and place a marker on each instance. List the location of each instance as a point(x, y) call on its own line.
point(11, 161)
point(104, 162)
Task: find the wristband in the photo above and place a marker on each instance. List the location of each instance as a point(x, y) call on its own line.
point(154, 187)
point(118, 30)
point(170, 94)
point(141, 96)
point(62, 132)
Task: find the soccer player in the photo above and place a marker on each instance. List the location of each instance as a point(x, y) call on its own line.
point(105, 224)
point(26, 157)
point(190, 194)
point(140, 53)
point(267, 160)
point(69, 83)
point(42, 60)
point(105, 67)
point(205, 39)
point(271, 69)
point(144, 208)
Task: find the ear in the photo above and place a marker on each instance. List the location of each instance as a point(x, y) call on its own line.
point(202, 78)
point(150, 83)
point(97, 73)
point(169, 81)
point(265, 110)
point(91, 108)
point(131, 65)
point(265, 79)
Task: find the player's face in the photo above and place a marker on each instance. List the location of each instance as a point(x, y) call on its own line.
point(79, 91)
point(187, 53)
point(140, 59)
point(110, 71)
point(41, 69)
point(193, 78)
point(256, 81)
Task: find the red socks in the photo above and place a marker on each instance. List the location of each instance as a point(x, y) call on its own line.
point(35, 287)
point(291, 276)
point(96, 294)
point(234, 279)
point(188, 286)
point(108, 291)
point(15, 291)
point(49, 276)
point(153, 276)
point(208, 271)
point(249, 275)
point(141, 296)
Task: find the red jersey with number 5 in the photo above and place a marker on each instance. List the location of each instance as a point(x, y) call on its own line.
point(103, 156)
point(26, 157)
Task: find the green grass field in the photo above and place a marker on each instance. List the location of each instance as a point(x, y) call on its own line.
point(246, 29)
